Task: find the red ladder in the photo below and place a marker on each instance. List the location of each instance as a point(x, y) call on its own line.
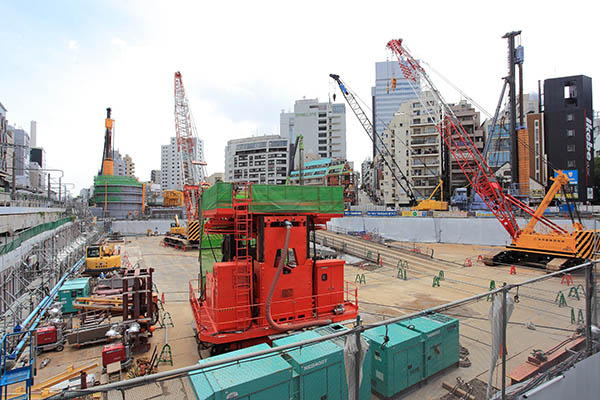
point(242, 274)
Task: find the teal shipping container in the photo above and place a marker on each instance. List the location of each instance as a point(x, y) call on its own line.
point(365, 384)
point(440, 341)
point(318, 368)
point(261, 378)
point(396, 364)
point(70, 290)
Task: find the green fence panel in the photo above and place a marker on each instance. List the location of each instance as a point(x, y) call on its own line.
point(31, 232)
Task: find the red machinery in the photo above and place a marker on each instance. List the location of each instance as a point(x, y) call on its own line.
point(268, 281)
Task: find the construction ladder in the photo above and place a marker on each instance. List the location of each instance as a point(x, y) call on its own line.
point(242, 274)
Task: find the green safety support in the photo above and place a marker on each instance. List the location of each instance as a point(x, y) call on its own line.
point(573, 292)
point(369, 254)
point(436, 281)
point(344, 247)
point(573, 315)
point(165, 355)
point(580, 317)
point(166, 320)
point(401, 274)
point(360, 278)
point(580, 289)
point(490, 297)
point(441, 275)
point(560, 299)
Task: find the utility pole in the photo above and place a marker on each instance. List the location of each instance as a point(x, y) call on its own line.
point(514, 156)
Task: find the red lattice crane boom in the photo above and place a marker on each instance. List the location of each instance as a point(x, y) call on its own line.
point(192, 173)
point(470, 160)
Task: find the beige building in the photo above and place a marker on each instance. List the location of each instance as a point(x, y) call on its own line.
point(470, 120)
point(129, 166)
point(417, 147)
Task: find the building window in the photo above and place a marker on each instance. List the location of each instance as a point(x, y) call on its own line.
point(569, 117)
point(570, 147)
point(570, 132)
point(571, 164)
point(416, 121)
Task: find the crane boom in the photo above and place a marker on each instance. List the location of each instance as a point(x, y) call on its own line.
point(190, 175)
point(368, 127)
point(470, 160)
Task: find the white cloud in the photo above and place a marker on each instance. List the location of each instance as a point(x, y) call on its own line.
point(118, 42)
point(73, 44)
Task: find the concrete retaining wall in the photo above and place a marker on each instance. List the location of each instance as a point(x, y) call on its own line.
point(477, 231)
point(141, 227)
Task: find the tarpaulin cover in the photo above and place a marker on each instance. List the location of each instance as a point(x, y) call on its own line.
point(217, 196)
point(280, 198)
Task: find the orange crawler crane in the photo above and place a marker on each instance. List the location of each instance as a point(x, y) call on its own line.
point(270, 279)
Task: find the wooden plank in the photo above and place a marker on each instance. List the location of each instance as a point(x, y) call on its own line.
point(458, 391)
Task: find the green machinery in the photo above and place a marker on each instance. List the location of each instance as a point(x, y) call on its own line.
point(365, 384)
point(397, 363)
point(440, 341)
point(263, 378)
point(70, 290)
point(318, 368)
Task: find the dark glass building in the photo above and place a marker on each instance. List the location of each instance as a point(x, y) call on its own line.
point(568, 119)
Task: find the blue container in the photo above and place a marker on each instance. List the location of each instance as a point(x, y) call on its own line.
point(262, 378)
point(397, 364)
point(318, 368)
point(440, 341)
point(365, 385)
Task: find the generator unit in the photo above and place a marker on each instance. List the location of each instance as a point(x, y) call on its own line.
point(270, 279)
point(397, 359)
point(116, 352)
point(318, 368)
point(365, 385)
point(70, 290)
point(262, 378)
point(439, 334)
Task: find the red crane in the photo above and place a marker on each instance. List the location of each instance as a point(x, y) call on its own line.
point(191, 176)
point(470, 160)
point(556, 248)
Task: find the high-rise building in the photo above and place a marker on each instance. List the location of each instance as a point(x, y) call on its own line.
point(155, 176)
point(21, 154)
point(322, 125)
point(33, 133)
point(396, 138)
point(258, 159)
point(568, 126)
point(129, 166)
point(470, 120)
point(170, 163)
point(387, 100)
point(5, 167)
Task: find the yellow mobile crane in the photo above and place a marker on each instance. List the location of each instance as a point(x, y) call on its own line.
point(433, 205)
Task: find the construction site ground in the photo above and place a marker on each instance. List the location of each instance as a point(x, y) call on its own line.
point(381, 294)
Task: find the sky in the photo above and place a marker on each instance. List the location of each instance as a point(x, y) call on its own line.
point(64, 62)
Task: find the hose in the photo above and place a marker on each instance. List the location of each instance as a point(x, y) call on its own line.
point(272, 323)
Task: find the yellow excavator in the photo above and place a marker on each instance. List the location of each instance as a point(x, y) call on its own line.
point(433, 205)
point(101, 258)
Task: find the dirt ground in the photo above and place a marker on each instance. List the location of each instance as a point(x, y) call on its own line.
point(382, 296)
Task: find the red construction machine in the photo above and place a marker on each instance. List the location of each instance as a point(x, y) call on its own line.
point(270, 279)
